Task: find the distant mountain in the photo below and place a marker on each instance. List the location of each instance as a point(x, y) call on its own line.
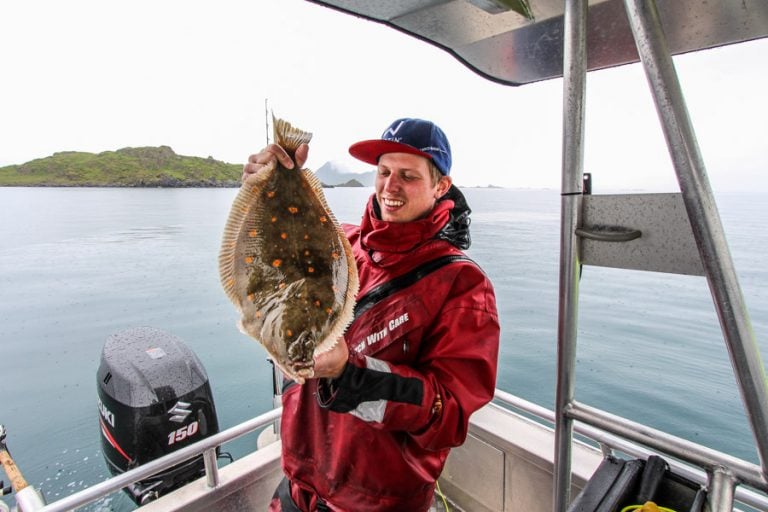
point(350, 183)
point(336, 174)
point(127, 167)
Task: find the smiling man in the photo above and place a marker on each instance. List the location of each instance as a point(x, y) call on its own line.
point(372, 430)
point(413, 160)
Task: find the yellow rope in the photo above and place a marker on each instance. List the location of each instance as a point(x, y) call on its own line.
point(640, 508)
point(442, 496)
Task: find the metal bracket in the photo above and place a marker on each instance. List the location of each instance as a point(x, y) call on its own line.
point(654, 229)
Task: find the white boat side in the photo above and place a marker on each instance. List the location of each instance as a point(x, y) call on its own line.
point(507, 464)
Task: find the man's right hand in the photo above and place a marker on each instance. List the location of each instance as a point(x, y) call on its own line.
point(273, 153)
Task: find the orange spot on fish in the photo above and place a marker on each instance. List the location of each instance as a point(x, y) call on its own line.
point(271, 194)
point(252, 233)
point(277, 263)
point(311, 270)
point(323, 219)
point(251, 296)
point(335, 255)
point(289, 332)
point(306, 237)
point(328, 310)
point(281, 285)
point(249, 259)
point(317, 303)
point(274, 219)
point(293, 210)
point(283, 235)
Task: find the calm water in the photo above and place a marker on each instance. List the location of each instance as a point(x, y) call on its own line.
point(79, 264)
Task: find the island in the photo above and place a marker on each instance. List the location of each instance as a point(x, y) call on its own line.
point(147, 167)
point(127, 167)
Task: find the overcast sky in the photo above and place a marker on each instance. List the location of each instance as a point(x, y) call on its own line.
point(96, 75)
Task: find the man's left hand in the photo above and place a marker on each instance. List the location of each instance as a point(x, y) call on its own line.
point(330, 364)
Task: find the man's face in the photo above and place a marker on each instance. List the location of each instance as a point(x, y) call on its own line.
point(404, 187)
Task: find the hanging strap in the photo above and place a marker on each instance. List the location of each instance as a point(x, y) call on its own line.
point(384, 290)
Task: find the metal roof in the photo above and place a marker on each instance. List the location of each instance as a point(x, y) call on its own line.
point(515, 42)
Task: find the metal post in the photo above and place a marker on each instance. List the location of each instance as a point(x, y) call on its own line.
point(721, 486)
point(574, 85)
point(705, 219)
point(277, 395)
point(211, 467)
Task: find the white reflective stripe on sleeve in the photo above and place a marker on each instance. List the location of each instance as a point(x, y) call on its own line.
point(377, 364)
point(373, 410)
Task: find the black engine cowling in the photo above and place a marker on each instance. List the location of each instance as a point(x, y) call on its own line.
point(153, 398)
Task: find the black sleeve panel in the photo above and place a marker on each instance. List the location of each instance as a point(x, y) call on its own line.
point(357, 385)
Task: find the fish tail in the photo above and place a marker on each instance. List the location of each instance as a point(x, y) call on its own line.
point(288, 136)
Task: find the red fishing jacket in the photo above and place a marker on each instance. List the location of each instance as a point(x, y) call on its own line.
point(423, 353)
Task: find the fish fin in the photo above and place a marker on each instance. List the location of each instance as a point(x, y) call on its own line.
point(326, 345)
point(316, 185)
point(289, 137)
point(353, 285)
point(242, 206)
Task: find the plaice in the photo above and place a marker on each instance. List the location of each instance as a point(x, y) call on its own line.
point(286, 264)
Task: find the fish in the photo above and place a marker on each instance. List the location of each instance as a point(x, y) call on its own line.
point(286, 264)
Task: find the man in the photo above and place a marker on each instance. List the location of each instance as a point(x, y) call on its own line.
point(372, 430)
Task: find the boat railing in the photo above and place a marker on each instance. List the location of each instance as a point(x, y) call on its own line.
point(685, 458)
point(710, 246)
point(205, 447)
point(632, 440)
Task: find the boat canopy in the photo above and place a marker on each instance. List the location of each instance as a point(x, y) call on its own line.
point(515, 42)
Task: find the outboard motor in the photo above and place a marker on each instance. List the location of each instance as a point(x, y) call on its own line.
point(154, 398)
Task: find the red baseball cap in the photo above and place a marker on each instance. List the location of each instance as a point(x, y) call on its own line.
point(407, 135)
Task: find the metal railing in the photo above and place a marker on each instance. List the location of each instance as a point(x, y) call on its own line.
point(630, 442)
point(207, 447)
point(646, 28)
point(634, 439)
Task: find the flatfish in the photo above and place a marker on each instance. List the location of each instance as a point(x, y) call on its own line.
point(286, 264)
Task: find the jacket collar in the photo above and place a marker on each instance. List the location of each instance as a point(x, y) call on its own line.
point(448, 220)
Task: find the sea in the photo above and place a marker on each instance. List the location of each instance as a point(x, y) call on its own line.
point(80, 264)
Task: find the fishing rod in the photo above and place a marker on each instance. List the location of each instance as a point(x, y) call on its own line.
point(28, 499)
point(266, 119)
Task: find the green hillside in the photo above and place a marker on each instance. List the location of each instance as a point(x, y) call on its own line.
point(127, 167)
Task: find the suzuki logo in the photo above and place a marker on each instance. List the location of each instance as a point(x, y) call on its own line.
point(180, 411)
point(108, 415)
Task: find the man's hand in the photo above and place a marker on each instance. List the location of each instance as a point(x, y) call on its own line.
point(331, 364)
point(271, 154)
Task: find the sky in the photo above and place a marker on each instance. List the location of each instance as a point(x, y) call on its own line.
point(98, 75)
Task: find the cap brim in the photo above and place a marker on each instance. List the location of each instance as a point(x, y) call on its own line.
point(369, 151)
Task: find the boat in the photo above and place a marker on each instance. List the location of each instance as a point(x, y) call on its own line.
point(520, 456)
